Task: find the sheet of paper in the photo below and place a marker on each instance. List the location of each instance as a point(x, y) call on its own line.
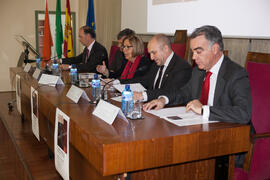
point(179, 116)
point(134, 87)
point(117, 98)
point(108, 112)
point(34, 112)
point(50, 80)
point(89, 75)
point(74, 93)
point(61, 144)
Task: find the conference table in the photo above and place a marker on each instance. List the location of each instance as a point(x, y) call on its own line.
point(150, 148)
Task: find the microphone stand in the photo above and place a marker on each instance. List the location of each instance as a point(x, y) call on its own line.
point(26, 53)
point(103, 90)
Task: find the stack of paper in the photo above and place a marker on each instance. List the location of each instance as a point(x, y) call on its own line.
point(134, 87)
point(179, 116)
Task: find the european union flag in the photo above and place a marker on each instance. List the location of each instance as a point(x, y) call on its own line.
point(91, 15)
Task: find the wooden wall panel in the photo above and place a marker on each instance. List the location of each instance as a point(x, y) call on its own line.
point(237, 49)
point(260, 45)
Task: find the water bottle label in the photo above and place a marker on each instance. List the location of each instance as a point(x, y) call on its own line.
point(127, 102)
point(73, 75)
point(95, 88)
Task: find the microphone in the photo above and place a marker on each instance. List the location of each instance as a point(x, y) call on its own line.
point(47, 69)
point(103, 90)
point(143, 68)
point(53, 57)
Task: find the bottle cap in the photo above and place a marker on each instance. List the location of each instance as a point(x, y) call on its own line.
point(73, 66)
point(127, 87)
point(95, 76)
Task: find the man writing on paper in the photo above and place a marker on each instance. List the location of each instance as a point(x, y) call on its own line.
point(169, 70)
point(93, 54)
point(218, 89)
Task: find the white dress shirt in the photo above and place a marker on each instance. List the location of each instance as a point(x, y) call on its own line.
point(168, 60)
point(90, 47)
point(89, 50)
point(213, 81)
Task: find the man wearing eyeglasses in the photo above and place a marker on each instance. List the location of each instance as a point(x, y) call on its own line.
point(93, 54)
point(169, 70)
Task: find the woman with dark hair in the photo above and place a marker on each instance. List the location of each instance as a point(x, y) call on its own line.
point(136, 64)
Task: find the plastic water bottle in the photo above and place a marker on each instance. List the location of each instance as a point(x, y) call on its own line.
point(73, 74)
point(55, 68)
point(96, 88)
point(38, 61)
point(127, 100)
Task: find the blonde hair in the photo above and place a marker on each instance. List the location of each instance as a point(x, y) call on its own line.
point(137, 44)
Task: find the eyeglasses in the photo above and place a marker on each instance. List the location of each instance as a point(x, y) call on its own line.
point(126, 47)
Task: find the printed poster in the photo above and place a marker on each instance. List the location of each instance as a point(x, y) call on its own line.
point(34, 112)
point(18, 93)
point(61, 144)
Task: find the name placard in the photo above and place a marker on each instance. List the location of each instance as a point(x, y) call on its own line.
point(108, 112)
point(50, 80)
point(74, 93)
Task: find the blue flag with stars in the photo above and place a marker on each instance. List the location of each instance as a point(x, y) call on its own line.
point(90, 21)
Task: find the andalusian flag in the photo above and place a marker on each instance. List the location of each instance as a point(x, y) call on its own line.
point(58, 29)
point(68, 41)
point(91, 15)
point(47, 41)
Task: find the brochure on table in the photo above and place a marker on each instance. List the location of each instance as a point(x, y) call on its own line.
point(179, 116)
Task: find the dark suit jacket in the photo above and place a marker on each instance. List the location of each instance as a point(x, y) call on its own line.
point(145, 63)
point(97, 54)
point(232, 98)
point(176, 76)
point(117, 62)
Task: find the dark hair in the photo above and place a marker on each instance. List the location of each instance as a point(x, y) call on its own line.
point(88, 30)
point(125, 32)
point(137, 43)
point(211, 33)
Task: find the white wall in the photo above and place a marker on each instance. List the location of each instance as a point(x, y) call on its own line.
point(18, 17)
point(235, 18)
point(134, 15)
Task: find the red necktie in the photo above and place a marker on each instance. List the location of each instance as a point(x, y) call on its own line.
point(205, 89)
point(86, 57)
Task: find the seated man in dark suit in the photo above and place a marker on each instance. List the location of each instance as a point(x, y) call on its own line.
point(93, 54)
point(168, 71)
point(218, 89)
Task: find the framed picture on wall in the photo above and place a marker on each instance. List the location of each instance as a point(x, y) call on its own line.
point(39, 22)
